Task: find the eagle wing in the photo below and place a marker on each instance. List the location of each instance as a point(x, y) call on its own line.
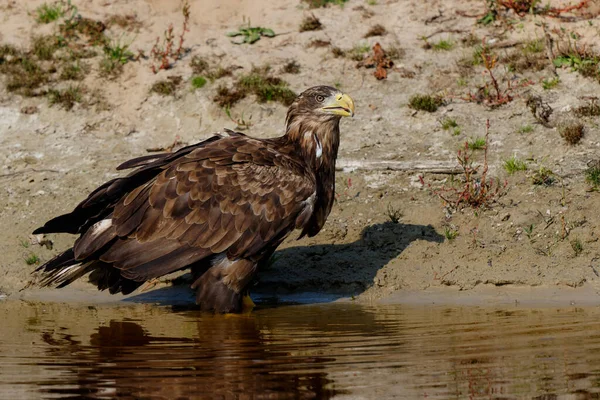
point(236, 196)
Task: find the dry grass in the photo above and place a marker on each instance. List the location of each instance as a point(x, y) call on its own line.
point(167, 87)
point(291, 67)
point(376, 30)
point(65, 98)
point(227, 97)
point(310, 23)
point(572, 132)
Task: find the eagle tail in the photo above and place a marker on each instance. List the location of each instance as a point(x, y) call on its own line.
point(62, 270)
point(65, 269)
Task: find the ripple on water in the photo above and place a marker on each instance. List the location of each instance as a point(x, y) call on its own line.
point(309, 351)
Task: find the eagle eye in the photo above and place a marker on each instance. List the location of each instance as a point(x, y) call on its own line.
point(320, 98)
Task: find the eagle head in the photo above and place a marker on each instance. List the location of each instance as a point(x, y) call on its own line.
point(324, 102)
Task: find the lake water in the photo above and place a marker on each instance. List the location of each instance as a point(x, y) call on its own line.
point(338, 350)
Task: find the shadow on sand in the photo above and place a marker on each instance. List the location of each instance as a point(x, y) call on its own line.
point(319, 273)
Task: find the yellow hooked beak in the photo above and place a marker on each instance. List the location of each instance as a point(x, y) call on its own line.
point(339, 104)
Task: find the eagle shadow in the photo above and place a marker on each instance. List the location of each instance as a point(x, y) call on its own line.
point(340, 270)
point(317, 273)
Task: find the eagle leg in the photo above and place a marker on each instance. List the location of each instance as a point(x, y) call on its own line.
point(223, 288)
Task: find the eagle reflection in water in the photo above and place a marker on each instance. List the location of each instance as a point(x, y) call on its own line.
point(229, 357)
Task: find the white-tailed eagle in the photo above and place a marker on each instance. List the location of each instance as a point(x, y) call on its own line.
point(220, 207)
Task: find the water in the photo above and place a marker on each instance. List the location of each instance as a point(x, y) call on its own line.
point(343, 351)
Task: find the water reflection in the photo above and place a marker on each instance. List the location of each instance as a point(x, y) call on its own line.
point(228, 358)
point(320, 351)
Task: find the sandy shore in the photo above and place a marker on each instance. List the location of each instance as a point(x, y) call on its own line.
point(390, 237)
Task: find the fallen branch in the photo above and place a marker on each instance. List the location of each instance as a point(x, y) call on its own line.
point(433, 167)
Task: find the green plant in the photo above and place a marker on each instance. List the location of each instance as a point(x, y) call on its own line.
point(576, 61)
point(394, 214)
point(456, 131)
point(491, 15)
point(442, 45)
point(116, 54)
point(425, 102)
point(577, 246)
point(448, 123)
point(250, 34)
point(198, 82)
point(450, 233)
point(543, 176)
point(592, 175)
point(478, 143)
point(513, 164)
point(32, 259)
point(529, 231)
point(66, 97)
point(550, 83)
point(534, 46)
point(47, 13)
point(525, 129)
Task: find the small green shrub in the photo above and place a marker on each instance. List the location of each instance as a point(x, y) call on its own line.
point(477, 143)
point(450, 233)
point(548, 84)
point(443, 45)
point(513, 164)
point(32, 259)
point(47, 13)
point(198, 82)
point(592, 175)
point(577, 246)
point(448, 123)
point(116, 54)
point(526, 129)
point(543, 176)
point(425, 102)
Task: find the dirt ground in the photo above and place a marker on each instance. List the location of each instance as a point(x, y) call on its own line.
point(388, 231)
